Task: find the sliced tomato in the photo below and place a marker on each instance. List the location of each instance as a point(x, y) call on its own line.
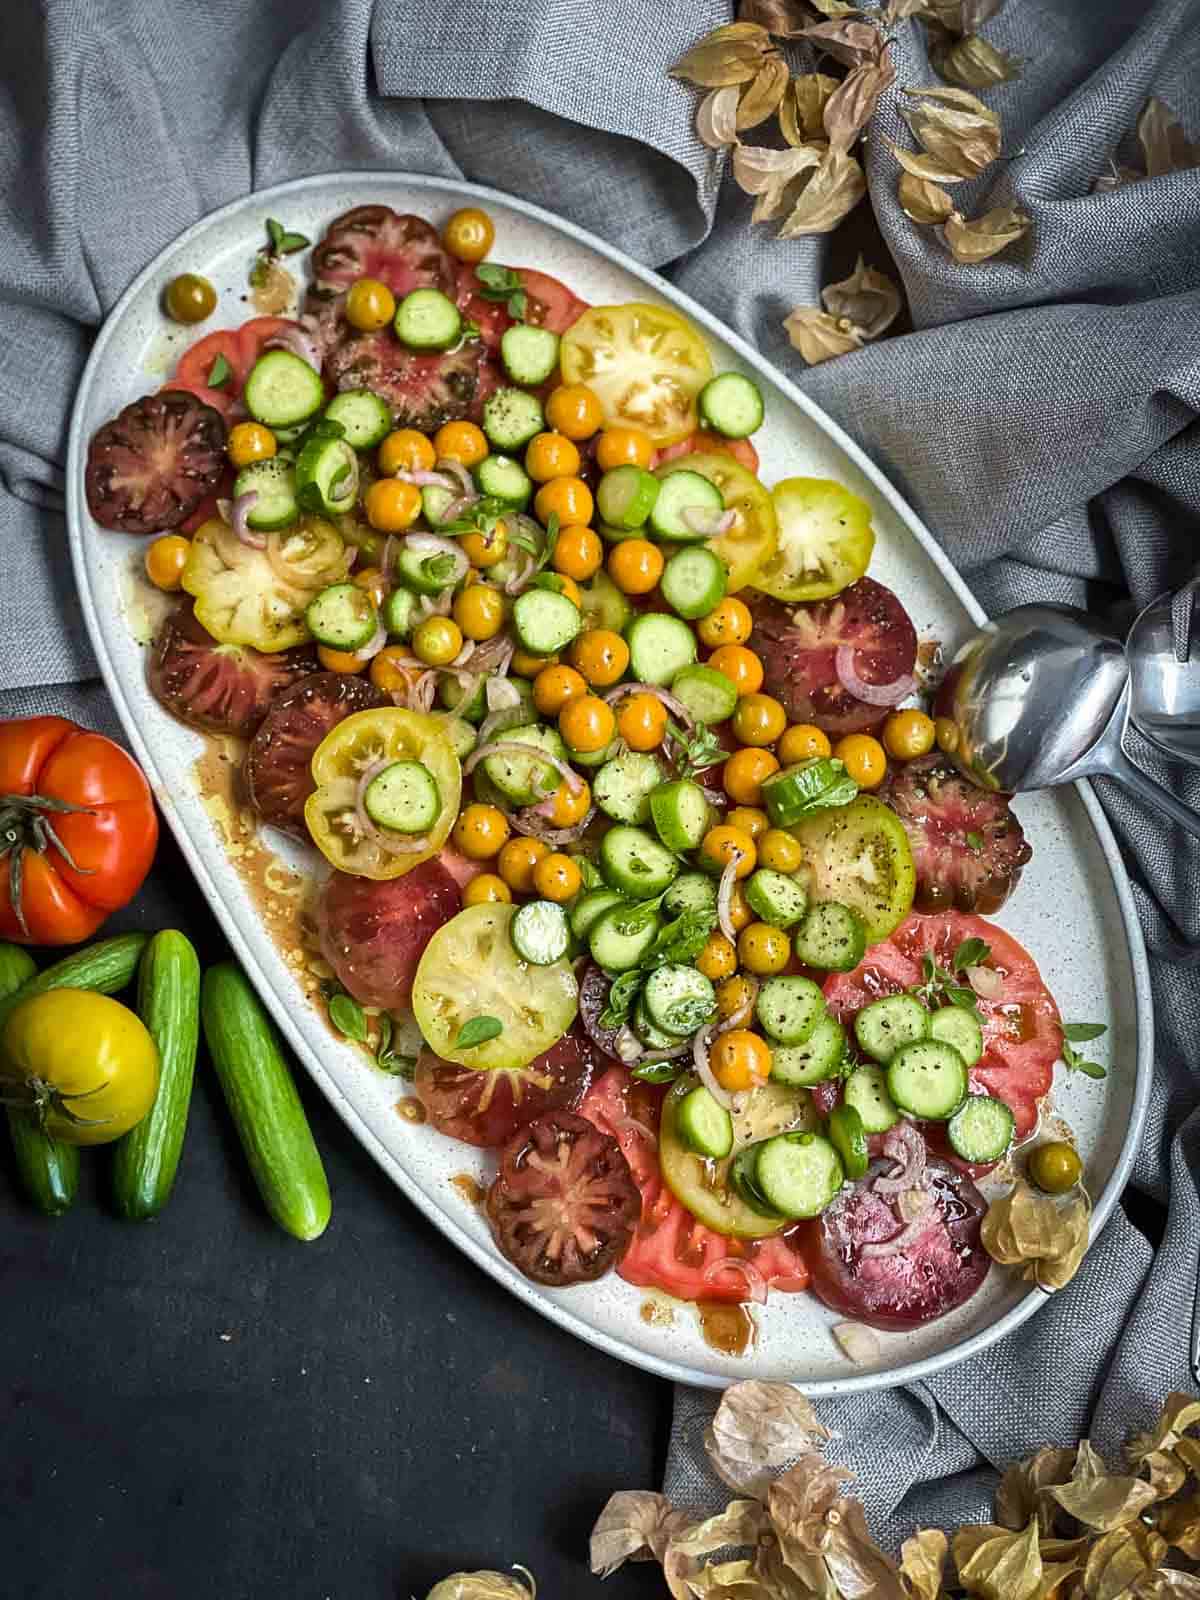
point(254, 335)
point(195, 367)
point(220, 688)
point(1022, 1032)
point(278, 767)
point(968, 846)
point(646, 364)
point(207, 509)
point(549, 303)
point(825, 540)
point(704, 443)
point(373, 934)
point(154, 462)
point(798, 645)
point(461, 868)
point(423, 390)
point(487, 1108)
point(399, 249)
point(670, 1250)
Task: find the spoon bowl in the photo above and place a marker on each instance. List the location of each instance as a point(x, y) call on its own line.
point(1164, 675)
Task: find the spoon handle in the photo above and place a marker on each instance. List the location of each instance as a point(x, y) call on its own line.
point(1116, 764)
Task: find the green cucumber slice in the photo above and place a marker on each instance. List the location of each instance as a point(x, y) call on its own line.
point(540, 932)
point(682, 493)
point(635, 864)
point(886, 1025)
point(928, 1080)
point(681, 814)
point(545, 621)
point(525, 779)
point(789, 1009)
point(961, 1028)
point(691, 891)
point(659, 648)
point(622, 937)
point(693, 581)
point(819, 1058)
point(703, 1124)
point(327, 477)
point(830, 937)
point(511, 417)
point(679, 999)
point(625, 497)
point(529, 354)
point(798, 1173)
point(775, 897)
point(342, 617)
point(282, 390)
point(366, 418)
point(849, 1138)
point(731, 404)
point(625, 785)
point(709, 695)
point(427, 319)
point(866, 1090)
point(981, 1130)
point(403, 798)
point(274, 482)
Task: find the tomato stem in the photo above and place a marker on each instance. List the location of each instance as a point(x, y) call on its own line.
point(39, 1098)
point(24, 825)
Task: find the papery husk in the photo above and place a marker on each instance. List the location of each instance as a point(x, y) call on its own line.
point(772, 175)
point(958, 133)
point(483, 1586)
point(898, 10)
point(635, 1525)
point(923, 1563)
point(820, 337)
point(783, 18)
point(922, 200)
point(1116, 177)
point(799, 1501)
point(802, 109)
point(868, 298)
point(730, 54)
point(855, 1562)
point(729, 1580)
point(974, 63)
point(1179, 1413)
point(807, 1579)
point(835, 8)
point(1021, 1494)
point(961, 16)
point(835, 188)
point(852, 104)
point(1165, 146)
point(716, 120)
point(1168, 1584)
point(741, 1523)
point(978, 240)
point(924, 166)
point(1098, 1498)
point(1028, 1229)
point(1120, 1559)
point(848, 40)
point(997, 1564)
point(760, 99)
point(1179, 1524)
point(758, 1428)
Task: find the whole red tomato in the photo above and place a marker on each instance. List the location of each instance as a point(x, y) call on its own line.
point(77, 830)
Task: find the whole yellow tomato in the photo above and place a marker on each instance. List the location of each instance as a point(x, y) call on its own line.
point(86, 1063)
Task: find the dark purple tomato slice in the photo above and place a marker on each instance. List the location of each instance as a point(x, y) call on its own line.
point(423, 390)
point(278, 766)
point(398, 248)
point(152, 465)
point(374, 934)
point(935, 1265)
point(593, 997)
point(798, 646)
point(967, 845)
point(222, 688)
point(564, 1204)
point(487, 1108)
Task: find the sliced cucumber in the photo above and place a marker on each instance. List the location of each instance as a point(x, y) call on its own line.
point(789, 1009)
point(703, 1124)
point(366, 418)
point(590, 907)
point(866, 1090)
point(659, 647)
point(461, 735)
point(343, 617)
point(327, 476)
point(682, 492)
point(594, 758)
point(693, 582)
point(404, 798)
point(604, 606)
point(679, 999)
point(775, 897)
point(426, 573)
point(744, 1183)
point(625, 497)
point(819, 1058)
point(831, 937)
point(886, 1025)
point(504, 479)
point(624, 786)
point(434, 501)
point(545, 621)
point(427, 319)
point(680, 813)
point(540, 932)
point(282, 390)
point(732, 405)
point(849, 1138)
point(708, 694)
point(981, 1130)
point(961, 1028)
point(524, 779)
point(819, 783)
point(928, 1080)
point(635, 864)
point(529, 354)
point(622, 937)
point(648, 1031)
point(691, 891)
point(511, 417)
point(798, 1173)
point(274, 482)
point(401, 614)
point(452, 694)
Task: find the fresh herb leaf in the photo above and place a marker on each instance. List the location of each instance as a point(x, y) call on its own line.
point(970, 953)
point(963, 998)
point(438, 568)
point(339, 478)
point(478, 1030)
point(621, 996)
point(219, 373)
point(480, 517)
point(471, 331)
point(348, 1017)
point(657, 1071)
point(699, 749)
point(282, 242)
point(939, 987)
point(275, 232)
point(291, 242)
point(383, 1042)
point(547, 555)
point(504, 285)
point(975, 840)
point(386, 1058)
point(685, 1016)
point(589, 873)
point(1081, 1032)
point(683, 939)
point(929, 967)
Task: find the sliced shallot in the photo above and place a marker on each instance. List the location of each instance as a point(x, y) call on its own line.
point(300, 343)
point(986, 982)
point(725, 898)
point(738, 1018)
point(871, 694)
point(239, 510)
point(516, 751)
point(535, 824)
point(520, 578)
point(424, 479)
point(911, 1233)
point(460, 479)
point(860, 1344)
point(704, 1071)
point(756, 1284)
point(704, 520)
point(632, 1125)
point(430, 544)
point(905, 1146)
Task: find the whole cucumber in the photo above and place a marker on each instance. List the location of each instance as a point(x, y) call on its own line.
point(48, 1170)
point(262, 1098)
point(168, 1002)
point(106, 966)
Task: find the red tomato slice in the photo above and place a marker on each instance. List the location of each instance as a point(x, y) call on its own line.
point(704, 442)
point(487, 1108)
point(253, 335)
point(373, 934)
point(196, 363)
point(670, 1250)
point(549, 303)
point(1022, 1033)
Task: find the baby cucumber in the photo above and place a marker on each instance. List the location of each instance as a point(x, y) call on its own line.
point(49, 1171)
point(106, 966)
point(168, 1002)
point(262, 1099)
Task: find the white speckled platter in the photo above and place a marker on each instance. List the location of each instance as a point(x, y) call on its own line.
point(1072, 910)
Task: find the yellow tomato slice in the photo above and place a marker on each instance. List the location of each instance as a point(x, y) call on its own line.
point(825, 540)
point(645, 365)
point(754, 534)
point(352, 749)
point(470, 969)
point(253, 597)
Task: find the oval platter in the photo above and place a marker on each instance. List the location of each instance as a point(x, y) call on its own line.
point(1096, 967)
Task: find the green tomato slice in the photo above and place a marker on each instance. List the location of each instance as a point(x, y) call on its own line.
point(702, 1185)
point(752, 538)
point(859, 855)
point(825, 540)
point(470, 968)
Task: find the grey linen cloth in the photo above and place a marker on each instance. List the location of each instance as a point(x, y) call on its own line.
point(1042, 416)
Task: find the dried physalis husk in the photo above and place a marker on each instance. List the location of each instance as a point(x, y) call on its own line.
point(818, 336)
point(484, 1586)
point(729, 1580)
point(971, 241)
point(783, 18)
point(852, 104)
point(923, 1562)
point(835, 8)
point(854, 1561)
point(716, 120)
point(761, 97)
point(996, 1564)
point(1098, 1498)
point(635, 1525)
point(922, 200)
point(956, 131)
point(832, 192)
point(1120, 1560)
point(741, 1523)
point(898, 10)
point(849, 40)
point(1021, 1492)
point(802, 109)
point(756, 1429)
point(799, 1500)
point(1034, 1231)
point(771, 174)
point(974, 63)
point(729, 54)
point(867, 297)
point(1179, 1524)
point(961, 16)
point(1165, 146)
point(1179, 1413)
